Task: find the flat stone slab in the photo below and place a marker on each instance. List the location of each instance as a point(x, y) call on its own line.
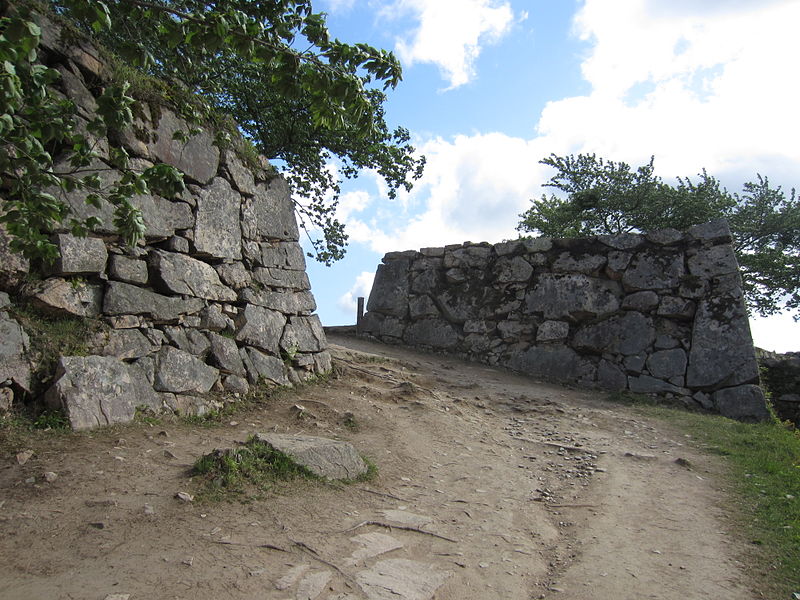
point(333, 459)
point(401, 579)
point(372, 544)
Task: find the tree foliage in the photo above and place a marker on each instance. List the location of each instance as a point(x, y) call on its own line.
point(606, 197)
point(299, 96)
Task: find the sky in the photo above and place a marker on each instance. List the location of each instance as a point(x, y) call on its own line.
point(491, 87)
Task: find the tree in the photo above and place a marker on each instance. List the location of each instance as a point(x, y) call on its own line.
point(298, 96)
point(607, 197)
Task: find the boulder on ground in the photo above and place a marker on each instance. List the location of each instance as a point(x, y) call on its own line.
point(333, 459)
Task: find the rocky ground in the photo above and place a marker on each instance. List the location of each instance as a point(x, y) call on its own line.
point(490, 486)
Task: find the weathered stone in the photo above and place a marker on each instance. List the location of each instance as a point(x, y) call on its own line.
point(124, 344)
point(162, 217)
point(716, 231)
point(573, 296)
point(654, 270)
point(73, 85)
point(6, 399)
point(5, 300)
point(187, 405)
point(14, 362)
point(332, 459)
point(426, 264)
point(382, 326)
point(218, 229)
point(610, 376)
point(411, 255)
point(551, 331)
point(129, 270)
point(552, 363)
point(513, 330)
point(13, 266)
point(189, 340)
point(303, 334)
point(181, 274)
point(422, 306)
point(389, 293)
point(457, 305)
point(425, 282)
point(537, 244)
point(455, 275)
point(435, 333)
point(472, 257)
point(634, 363)
point(260, 327)
point(704, 400)
point(285, 301)
point(693, 287)
point(234, 274)
point(665, 342)
point(744, 403)
point(76, 297)
point(95, 390)
point(676, 308)
point(261, 366)
point(79, 255)
point(513, 269)
point(179, 372)
point(225, 354)
point(587, 264)
point(235, 384)
point(432, 252)
point(644, 384)
point(714, 261)
point(401, 579)
point(269, 214)
point(618, 261)
point(212, 319)
point(722, 350)
point(177, 243)
point(283, 255)
point(126, 299)
point(510, 247)
point(478, 326)
point(642, 301)
point(667, 363)
point(322, 362)
point(197, 157)
point(629, 333)
point(665, 237)
point(282, 278)
point(622, 241)
point(241, 176)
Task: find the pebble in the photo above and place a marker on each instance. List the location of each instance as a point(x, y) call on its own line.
point(50, 477)
point(184, 497)
point(149, 510)
point(24, 456)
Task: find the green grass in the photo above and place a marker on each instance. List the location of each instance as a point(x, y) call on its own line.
point(763, 463)
point(245, 473)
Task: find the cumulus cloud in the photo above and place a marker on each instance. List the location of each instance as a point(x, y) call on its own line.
point(348, 302)
point(452, 33)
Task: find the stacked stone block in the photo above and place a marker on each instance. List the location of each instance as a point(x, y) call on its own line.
point(661, 313)
point(215, 299)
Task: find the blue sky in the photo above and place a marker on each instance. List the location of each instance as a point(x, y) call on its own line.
point(493, 86)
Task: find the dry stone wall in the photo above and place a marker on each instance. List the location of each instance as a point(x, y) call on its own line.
point(661, 313)
point(216, 298)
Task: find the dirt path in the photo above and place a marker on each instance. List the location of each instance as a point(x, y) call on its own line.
point(490, 486)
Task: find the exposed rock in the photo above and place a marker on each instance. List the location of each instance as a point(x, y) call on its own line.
point(283, 255)
point(551, 331)
point(126, 299)
point(422, 306)
point(622, 241)
point(514, 269)
point(285, 301)
point(653, 270)
point(212, 319)
point(332, 459)
point(225, 354)
point(744, 402)
point(179, 372)
point(389, 293)
point(716, 231)
point(435, 333)
point(129, 270)
point(76, 297)
point(190, 340)
point(537, 244)
point(282, 278)
point(262, 366)
point(667, 363)
point(588, 264)
point(665, 237)
point(714, 261)
point(629, 333)
point(303, 334)
point(197, 157)
point(235, 275)
point(260, 327)
point(242, 176)
point(218, 230)
point(94, 391)
point(181, 274)
point(269, 214)
point(124, 344)
point(5, 300)
point(401, 579)
point(611, 377)
point(644, 384)
point(13, 266)
point(642, 301)
point(373, 544)
point(79, 255)
point(235, 384)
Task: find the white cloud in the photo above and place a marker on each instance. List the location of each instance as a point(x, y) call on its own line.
point(452, 33)
point(335, 6)
point(348, 302)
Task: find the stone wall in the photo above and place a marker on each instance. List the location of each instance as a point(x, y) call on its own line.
point(781, 376)
point(216, 298)
point(660, 313)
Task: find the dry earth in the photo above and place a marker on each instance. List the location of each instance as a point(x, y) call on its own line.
point(491, 486)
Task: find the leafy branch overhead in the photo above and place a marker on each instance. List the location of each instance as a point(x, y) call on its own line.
point(299, 97)
point(607, 197)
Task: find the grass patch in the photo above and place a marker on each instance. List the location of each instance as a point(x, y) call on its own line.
point(245, 473)
point(763, 462)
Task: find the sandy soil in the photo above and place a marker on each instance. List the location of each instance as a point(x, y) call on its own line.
point(490, 486)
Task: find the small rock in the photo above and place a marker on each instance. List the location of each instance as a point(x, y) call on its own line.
point(256, 572)
point(30, 480)
point(188, 561)
point(640, 456)
point(117, 597)
point(50, 477)
point(99, 524)
point(169, 454)
point(24, 456)
point(184, 497)
point(682, 462)
point(149, 510)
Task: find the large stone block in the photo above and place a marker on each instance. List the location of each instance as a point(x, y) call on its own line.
point(303, 334)
point(712, 262)
point(435, 333)
point(241, 176)
point(13, 266)
point(260, 327)
point(96, 390)
point(125, 299)
point(285, 301)
point(722, 352)
point(572, 262)
point(225, 354)
point(179, 372)
point(181, 274)
point(654, 270)
point(512, 269)
point(573, 296)
point(124, 344)
point(332, 459)
point(744, 403)
point(218, 229)
point(14, 362)
point(283, 255)
point(261, 367)
point(129, 270)
point(79, 255)
point(389, 293)
point(282, 278)
point(553, 363)
point(645, 384)
point(715, 231)
point(59, 296)
point(665, 364)
point(197, 157)
point(269, 214)
point(629, 333)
